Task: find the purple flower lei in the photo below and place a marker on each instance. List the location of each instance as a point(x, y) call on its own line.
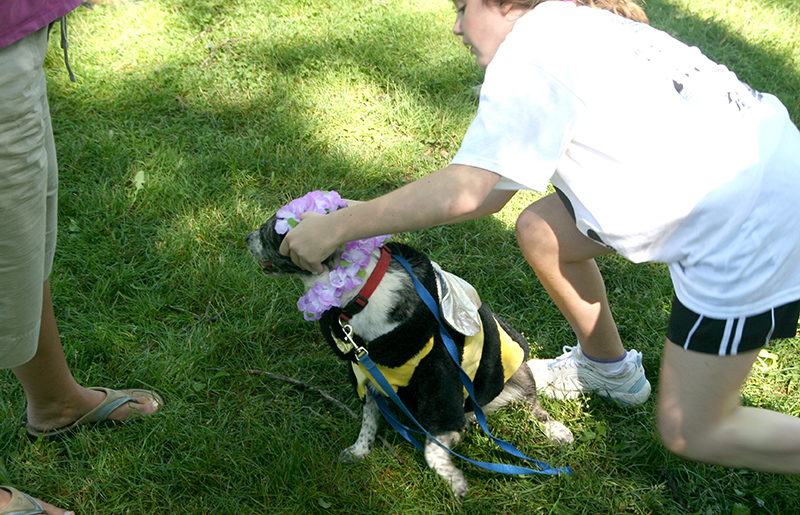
point(348, 274)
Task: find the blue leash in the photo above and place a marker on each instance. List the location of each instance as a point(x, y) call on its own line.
point(363, 357)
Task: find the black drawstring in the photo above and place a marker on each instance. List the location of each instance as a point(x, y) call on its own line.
point(65, 46)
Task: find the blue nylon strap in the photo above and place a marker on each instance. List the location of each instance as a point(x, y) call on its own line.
point(451, 349)
point(501, 468)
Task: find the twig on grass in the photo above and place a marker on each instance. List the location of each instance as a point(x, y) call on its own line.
point(328, 397)
point(673, 488)
point(206, 31)
point(214, 51)
point(198, 318)
point(323, 393)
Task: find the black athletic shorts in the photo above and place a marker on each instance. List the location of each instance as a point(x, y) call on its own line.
point(727, 337)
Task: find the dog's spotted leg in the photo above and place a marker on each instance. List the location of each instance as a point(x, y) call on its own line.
point(440, 460)
point(555, 430)
point(366, 437)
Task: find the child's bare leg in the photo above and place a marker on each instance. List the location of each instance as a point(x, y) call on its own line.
point(563, 259)
point(700, 415)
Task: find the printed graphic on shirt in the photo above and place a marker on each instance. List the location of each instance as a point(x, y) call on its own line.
point(696, 78)
point(591, 233)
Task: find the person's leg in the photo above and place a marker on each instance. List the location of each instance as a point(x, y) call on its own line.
point(22, 183)
point(701, 417)
point(54, 398)
point(563, 260)
point(28, 189)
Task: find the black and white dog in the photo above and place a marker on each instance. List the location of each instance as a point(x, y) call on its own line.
point(402, 338)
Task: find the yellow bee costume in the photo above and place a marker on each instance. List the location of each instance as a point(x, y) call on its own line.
point(511, 356)
point(490, 351)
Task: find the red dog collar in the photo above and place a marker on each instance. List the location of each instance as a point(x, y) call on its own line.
point(362, 299)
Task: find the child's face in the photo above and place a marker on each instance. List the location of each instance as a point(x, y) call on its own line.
point(483, 25)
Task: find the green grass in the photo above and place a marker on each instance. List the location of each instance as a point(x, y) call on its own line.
point(178, 140)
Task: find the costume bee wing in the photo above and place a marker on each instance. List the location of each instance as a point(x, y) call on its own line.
point(458, 302)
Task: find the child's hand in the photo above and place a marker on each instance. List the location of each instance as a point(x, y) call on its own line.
point(310, 242)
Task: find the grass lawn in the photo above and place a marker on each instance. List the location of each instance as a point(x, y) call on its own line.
point(191, 122)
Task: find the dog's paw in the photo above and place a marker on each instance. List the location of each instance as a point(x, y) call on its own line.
point(460, 488)
point(353, 454)
point(440, 460)
point(558, 432)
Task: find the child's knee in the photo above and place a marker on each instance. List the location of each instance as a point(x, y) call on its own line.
point(682, 438)
point(671, 435)
point(534, 235)
point(526, 222)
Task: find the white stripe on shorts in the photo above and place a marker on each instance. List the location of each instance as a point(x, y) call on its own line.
point(691, 332)
point(771, 329)
point(726, 336)
point(731, 336)
point(737, 336)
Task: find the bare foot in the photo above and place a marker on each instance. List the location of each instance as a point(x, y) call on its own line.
point(49, 509)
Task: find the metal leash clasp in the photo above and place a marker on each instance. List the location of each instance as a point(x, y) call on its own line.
point(347, 329)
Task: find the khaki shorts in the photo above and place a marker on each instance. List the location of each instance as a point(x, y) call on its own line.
point(28, 196)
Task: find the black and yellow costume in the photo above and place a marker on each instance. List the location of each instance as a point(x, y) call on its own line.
point(415, 361)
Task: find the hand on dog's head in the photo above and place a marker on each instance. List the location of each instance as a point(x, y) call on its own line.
point(264, 244)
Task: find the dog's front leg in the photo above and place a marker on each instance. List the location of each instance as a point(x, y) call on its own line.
point(366, 437)
point(524, 384)
point(439, 459)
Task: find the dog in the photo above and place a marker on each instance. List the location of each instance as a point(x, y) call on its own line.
point(402, 337)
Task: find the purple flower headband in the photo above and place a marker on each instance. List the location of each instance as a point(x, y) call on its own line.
point(349, 273)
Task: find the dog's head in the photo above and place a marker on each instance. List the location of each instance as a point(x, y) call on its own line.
point(264, 244)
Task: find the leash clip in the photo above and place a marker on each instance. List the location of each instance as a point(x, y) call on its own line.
point(347, 329)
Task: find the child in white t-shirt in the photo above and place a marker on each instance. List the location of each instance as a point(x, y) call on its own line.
point(656, 153)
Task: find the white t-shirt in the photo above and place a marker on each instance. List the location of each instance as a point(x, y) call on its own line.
point(664, 155)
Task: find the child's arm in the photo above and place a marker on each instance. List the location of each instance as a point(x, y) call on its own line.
point(449, 195)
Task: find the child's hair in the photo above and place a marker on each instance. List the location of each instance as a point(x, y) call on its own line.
point(625, 8)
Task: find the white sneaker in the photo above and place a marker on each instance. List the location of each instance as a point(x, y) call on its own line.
point(571, 375)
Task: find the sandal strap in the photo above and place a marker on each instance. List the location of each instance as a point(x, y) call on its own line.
point(21, 504)
point(111, 404)
point(114, 399)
